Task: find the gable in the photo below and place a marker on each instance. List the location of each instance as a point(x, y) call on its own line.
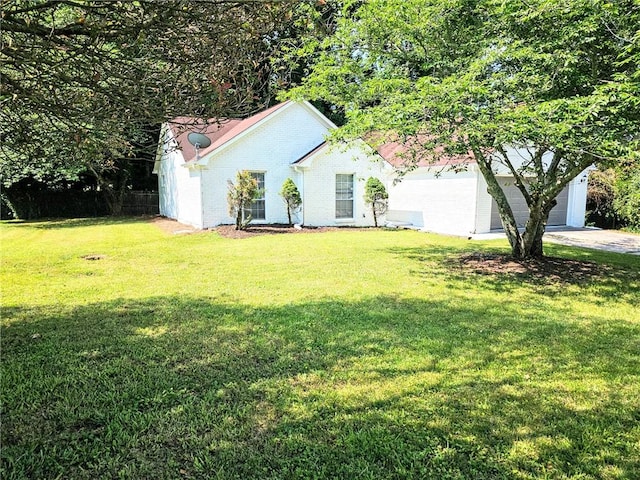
point(281, 140)
point(224, 133)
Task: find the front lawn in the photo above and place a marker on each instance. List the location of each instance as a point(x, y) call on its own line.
point(128, 352)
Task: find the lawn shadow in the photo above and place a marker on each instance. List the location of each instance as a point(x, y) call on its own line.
point(384, 387)
point(607, 273)
point(63, 223)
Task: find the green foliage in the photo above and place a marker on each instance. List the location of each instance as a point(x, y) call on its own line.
point(82, 82)
point(164, 59)
point(374, 190)
point(59, 163)
point(558, 80)
point(364, 355)
point(375, 195)
point(627, 194)
point(241, 193)
point(291, 197)
point(614, 196)
point(600, 198)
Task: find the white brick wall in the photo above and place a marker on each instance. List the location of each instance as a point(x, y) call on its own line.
point(289, 134)
point(179, 188)
point(319, 207)
point(447, 202)
point(459, 204)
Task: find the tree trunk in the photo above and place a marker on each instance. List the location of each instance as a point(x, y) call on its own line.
point(540, 200)
point(536, 226)
point(527, 244)
point(504, 209)
point(113, 184)
point(533, 231)
point(375, 217)
point(114, 196)
point(289, 215)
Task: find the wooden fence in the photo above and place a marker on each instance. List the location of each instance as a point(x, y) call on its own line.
point(141, 203)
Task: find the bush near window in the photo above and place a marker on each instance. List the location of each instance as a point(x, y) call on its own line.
point(291, 196)
point(241, 194)
point(375, 195)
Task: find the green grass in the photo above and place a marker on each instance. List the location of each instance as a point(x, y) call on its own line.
point(348, 354)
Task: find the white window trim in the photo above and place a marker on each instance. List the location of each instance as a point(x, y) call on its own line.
point(352, 218)
point(264, 194)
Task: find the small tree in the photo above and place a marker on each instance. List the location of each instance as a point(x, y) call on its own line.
point(375, 194)
point(241, 193)
point(291, 197)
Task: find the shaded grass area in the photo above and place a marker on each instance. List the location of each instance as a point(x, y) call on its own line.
point(374, 356)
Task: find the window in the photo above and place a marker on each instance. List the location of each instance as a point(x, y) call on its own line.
point(257, 209)
point(344, 196)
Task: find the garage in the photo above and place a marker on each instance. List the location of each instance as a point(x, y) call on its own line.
point(557, 216)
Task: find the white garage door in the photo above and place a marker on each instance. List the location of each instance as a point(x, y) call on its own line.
point(557, 216)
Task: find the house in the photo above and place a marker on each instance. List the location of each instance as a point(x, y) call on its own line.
point(284, 141)
point(449, 195)
point(288, 141)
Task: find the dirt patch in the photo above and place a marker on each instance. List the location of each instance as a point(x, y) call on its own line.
point(229, 231)
point(168, 225)
point(94, 257)
point(546, 269)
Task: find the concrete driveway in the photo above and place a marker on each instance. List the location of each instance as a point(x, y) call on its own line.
point(609, 240)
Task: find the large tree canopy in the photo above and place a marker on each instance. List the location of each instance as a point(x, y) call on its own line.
point(557, 80)
point(81, 62)
point(82, 80)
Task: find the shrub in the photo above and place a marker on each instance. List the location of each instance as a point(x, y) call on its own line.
point(291, 197)
point(241, 194)
point(375, 195)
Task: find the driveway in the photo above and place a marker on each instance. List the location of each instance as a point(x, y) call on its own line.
point(609, 240)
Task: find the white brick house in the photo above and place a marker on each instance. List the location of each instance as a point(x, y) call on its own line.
point(288, 141)
point(285, 141)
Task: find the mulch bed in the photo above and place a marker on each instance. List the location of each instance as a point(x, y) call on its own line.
point(546, 269)
point(229, 231)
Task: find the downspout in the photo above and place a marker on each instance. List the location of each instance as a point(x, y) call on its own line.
point(201, 199)
point(199, 166)
point(304, 202)
point(301, 172)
